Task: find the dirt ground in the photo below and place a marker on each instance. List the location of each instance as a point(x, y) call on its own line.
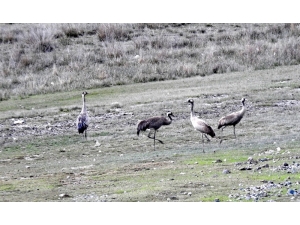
point(43, 158)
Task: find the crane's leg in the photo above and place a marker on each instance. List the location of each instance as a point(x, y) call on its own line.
point(85, 133)
point(154, 137)
point(203, 143)
point(234, 131)
point(207, 138)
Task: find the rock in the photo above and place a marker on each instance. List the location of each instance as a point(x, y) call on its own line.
point(263, 160)
point(97, 143)
point(226, 171)
point(20, 121)
point(287, 183)
point(173, 198)
point(252, 161)
point(64, 195)
point(245, 168)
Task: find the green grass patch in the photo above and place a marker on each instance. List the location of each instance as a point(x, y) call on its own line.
point(215, 198)
point(7, 187)
point(227, 157)
point(102, 134)
point(275, 176)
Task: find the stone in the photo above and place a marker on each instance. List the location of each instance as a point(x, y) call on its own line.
point(226, 171)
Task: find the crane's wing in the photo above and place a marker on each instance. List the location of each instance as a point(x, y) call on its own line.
point(230, 119)
point(82, 122)
point(203, 127)
point(142, 126)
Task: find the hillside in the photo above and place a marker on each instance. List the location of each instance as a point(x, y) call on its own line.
point(50, 58)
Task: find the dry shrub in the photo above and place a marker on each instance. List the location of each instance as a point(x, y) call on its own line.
point(114, 32)
point(72, 31)
point(40, 38)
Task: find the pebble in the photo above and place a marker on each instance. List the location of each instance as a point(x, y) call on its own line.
point(64, 195)
point(173, 198)
point(20, 121)
point(226, 171)
point(97, 144)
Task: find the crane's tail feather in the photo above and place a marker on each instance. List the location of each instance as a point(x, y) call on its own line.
point(142, 126)
point(81, 127)
point(211, 132)
point(82, 124)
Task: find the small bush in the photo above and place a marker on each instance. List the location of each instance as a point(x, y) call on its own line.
point(113, 32)
point(72, 32)
point(45, 46)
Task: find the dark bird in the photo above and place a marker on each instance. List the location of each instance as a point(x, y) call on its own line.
point(154, 123)
point(83, 118)
point(233, 118)
point(200, 125)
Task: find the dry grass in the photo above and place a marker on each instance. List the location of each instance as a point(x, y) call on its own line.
point(47, 58)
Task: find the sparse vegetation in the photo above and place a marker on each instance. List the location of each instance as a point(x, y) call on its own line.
point(48, 58)
point(43, 158)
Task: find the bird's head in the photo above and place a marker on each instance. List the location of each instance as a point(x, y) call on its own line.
point(169, 113)
point(190, 101)
point(243, 100)
point(84, 93)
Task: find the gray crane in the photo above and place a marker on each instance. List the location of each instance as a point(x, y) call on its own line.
point(154, 123)
point(83, 118)
point(200, 125)
point(233, 118)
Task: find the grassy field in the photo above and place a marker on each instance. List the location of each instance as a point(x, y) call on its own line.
point(51, 58)
point(43, 158)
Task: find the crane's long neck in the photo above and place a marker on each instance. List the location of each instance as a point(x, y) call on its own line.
point(83, 110)
point(243, 110)
point(192, 110)
point(170, 121)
